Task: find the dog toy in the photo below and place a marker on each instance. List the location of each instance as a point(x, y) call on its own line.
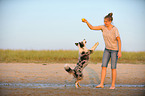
point(83, 19)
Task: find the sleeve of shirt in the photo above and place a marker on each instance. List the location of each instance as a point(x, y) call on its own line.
point(102, 26)
point(117, 33)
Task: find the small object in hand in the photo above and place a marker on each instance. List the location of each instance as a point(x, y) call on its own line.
point(83, 19)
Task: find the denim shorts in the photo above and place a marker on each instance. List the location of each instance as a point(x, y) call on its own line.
point(106, 57)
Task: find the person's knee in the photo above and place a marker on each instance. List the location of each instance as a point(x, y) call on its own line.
point(113, 69)
point(104, 68)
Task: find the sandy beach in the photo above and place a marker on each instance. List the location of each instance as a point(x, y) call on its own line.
point(30, 73)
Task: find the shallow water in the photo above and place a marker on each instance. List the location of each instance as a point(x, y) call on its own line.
point(41, 85)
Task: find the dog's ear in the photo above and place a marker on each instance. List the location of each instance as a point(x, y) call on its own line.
point(76, 44)
point(85, 41)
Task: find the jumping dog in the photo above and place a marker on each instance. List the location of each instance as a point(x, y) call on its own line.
point(84, 55)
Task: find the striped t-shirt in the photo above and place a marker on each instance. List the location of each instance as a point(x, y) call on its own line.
point(110, 37)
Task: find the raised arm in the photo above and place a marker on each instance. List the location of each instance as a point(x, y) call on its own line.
point(92, 27)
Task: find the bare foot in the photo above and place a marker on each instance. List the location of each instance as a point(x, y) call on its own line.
point(100, 86)
point(112, 87)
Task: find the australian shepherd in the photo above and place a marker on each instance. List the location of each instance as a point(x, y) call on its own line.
point(84, 55)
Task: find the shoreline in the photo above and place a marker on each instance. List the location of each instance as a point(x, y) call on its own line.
point(47, 85)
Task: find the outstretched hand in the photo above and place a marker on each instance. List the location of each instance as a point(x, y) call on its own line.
point(84, 20)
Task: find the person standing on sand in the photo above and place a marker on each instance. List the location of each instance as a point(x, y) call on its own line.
point(112, 47)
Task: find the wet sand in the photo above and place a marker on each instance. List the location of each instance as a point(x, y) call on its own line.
point(127, 74)
point(70, 92)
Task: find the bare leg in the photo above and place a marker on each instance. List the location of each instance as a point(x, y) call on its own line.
point(103, 74)
point(113, 79)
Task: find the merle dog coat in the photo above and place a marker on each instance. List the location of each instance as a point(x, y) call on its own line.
point(82, 63)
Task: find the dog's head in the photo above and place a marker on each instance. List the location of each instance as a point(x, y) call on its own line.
point(82, 44)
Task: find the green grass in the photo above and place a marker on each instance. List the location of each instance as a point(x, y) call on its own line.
point(62, 56)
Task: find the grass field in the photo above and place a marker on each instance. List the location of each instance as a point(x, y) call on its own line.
point(62, 56)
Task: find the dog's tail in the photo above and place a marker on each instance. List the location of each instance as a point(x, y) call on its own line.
point(68, 69)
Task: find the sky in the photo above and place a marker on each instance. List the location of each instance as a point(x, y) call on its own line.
point(57, 25)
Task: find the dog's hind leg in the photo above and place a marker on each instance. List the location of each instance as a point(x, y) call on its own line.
point(77, 83)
